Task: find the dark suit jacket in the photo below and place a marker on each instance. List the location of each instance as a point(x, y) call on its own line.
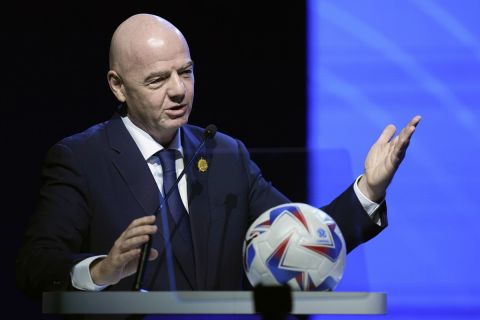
point(96, 182)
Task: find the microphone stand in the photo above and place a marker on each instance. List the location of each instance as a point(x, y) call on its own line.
point(209, 133)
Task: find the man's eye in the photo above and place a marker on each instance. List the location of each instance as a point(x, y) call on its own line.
point(157, 80)
point(187, 71)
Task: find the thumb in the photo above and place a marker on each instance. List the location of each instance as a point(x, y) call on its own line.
point(153, 254)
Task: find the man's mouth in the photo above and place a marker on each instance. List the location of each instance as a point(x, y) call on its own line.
point(177, 111)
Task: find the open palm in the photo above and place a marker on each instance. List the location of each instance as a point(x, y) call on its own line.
point(384, 158)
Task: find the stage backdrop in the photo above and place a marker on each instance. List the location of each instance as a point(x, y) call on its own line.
point(376, 62)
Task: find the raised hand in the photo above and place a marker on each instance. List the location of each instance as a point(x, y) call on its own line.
point(122, 259)
point(384, 158)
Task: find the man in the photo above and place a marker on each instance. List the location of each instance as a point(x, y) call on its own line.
point(101, 187)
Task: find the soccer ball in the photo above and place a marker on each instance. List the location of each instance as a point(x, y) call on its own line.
point(294, 244)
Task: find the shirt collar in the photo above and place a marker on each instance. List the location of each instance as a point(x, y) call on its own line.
point(147, 145)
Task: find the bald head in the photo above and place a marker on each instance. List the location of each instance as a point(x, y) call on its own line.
point(151, 74)
point(143, 38)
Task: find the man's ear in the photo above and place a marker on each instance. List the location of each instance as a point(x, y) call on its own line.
point(116, 85)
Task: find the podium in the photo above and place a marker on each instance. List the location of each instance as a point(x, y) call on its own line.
point(207, 302)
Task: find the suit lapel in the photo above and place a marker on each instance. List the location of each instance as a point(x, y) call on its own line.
point(132, 166)
point(198, 202)
point(134, 170)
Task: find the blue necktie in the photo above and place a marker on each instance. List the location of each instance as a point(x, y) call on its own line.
point(180, 221)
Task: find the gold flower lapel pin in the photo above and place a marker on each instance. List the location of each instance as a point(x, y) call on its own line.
point(202, 165)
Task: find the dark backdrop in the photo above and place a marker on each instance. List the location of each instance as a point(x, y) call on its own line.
point(250, 81)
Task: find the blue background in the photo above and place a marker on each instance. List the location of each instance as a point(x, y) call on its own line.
point(371, 63)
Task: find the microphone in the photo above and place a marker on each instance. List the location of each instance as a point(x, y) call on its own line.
point(209, 133)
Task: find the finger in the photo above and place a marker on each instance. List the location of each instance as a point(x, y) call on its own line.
point(387, 134)
point(142, 221)
point(403, 141)
point(415, 121)
point(126, 257)
point(147, 220)
point(153, 254)
point(122, 259)
point(133, 243)
point(399, 151)
point(139, 231)
point(408, 131)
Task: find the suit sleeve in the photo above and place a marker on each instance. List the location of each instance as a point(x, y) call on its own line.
point(58, 229)
point(356, 225)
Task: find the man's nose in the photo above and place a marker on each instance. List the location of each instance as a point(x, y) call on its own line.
point(176, 88)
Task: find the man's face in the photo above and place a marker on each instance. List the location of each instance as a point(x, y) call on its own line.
point(158, 87)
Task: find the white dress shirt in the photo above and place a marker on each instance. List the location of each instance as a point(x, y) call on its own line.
point(80, 273)
point(148, 147)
